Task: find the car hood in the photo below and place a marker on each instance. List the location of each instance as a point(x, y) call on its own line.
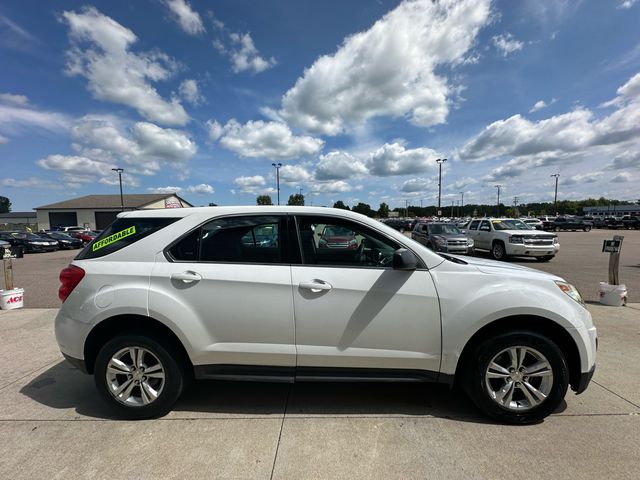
point(451, 236)
point(494, 267)
point(535, 233)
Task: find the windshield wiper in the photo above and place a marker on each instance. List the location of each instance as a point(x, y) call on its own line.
point(453, 259)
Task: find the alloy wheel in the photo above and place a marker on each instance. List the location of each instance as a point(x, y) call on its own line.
point(519, 378)
point(135, 376)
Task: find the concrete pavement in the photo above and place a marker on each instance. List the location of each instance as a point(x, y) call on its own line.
point(53, 424)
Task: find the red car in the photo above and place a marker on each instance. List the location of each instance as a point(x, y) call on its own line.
point(86, 236)
point(338, 237)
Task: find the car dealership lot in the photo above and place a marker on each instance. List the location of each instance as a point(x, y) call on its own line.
point(55, 426)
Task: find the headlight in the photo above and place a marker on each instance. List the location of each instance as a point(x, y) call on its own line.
point(469, 242)
point(571, 291)
point(516, 239)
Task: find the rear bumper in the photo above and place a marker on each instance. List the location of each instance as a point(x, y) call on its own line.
point(78, 363)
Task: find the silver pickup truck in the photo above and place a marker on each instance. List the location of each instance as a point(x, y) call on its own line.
point(506, 237)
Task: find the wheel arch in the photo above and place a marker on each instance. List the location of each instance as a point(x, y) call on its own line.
point(131, 323)
point(552, 330)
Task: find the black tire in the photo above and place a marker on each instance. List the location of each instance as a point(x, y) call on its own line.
point(557, 229)
point(587, 228)
point(546, 258)
point(174, 377)
point(498, 251)
point(480, 394)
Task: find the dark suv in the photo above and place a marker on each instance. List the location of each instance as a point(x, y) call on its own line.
point(443, 237)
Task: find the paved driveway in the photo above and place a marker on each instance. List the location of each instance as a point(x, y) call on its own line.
point(54, 426)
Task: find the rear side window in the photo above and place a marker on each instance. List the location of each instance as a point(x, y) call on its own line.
point(251, 239)
point(121, 233)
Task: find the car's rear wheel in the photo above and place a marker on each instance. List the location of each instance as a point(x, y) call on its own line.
point(138, 376)
point(518, 378)
point(498, 251)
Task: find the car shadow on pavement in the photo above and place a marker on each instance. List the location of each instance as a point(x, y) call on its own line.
point(64, 387)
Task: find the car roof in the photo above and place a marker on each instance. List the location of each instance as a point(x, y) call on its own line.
point(231, 210)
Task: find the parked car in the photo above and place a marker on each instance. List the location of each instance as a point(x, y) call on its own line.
point(163, 295)
point(507, 237)
point(571, 223)
point(443, 237)
point(613, 223)
point(24, 242)
point(534, 223)
point(85, 236)
point(598, 222)
point(631, 222)
point(338, 237)
point(400, 224)
point(69, 229)
point(64, 241)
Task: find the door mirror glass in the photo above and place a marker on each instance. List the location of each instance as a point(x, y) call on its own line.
point(403, 259)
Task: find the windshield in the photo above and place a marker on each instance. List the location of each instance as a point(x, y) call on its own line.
point(61, 236)
point(443, 229)
point(510, 224)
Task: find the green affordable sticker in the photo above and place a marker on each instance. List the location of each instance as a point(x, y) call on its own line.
point(113, 238)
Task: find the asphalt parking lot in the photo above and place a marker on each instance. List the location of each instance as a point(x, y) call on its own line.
point(54, 426)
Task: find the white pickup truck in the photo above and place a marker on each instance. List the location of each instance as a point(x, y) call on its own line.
point(506, 237)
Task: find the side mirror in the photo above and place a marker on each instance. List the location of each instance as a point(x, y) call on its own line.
point(403, 259)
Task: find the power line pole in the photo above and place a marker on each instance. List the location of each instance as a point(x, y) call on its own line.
point(498, 202)
point(277, 167)
point(119, 171)
point(440, 161)
point(462, 202)
point(555, 197)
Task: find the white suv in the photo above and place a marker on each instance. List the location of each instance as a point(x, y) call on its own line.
point(298, 293)
point(509, 237)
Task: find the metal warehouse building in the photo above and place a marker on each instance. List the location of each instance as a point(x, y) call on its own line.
point(98, 211)
point(613, 210)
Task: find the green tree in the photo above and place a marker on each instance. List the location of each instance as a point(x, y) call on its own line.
point(296, 199)
point(264, 200)
point(340, 204)
point(364, 209)
point(383, 211)
point(5, 205)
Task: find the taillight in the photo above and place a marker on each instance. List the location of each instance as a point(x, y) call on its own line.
point(69, 277)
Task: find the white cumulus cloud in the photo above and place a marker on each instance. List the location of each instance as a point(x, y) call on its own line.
point(201, 189)
point(395, 159)
point(190, 91)
point(101, 53)
point(507, 44)
point(389, 69)
point(188, 19)
point(272, 140)
point(339, 165)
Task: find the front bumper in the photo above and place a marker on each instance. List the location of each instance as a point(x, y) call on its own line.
point(583, 381)
point(524, 250)
point(456, 250)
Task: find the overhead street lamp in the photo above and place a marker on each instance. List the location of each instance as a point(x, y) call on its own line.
point(119, 171)
point(277, 167)
point(440, 161)
point(555, 197)
point(462, 202)
point(498, 202)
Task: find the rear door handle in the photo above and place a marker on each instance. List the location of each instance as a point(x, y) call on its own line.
point(187, 277)
point(315, 285)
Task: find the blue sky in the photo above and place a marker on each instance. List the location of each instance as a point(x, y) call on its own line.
point(355, 99)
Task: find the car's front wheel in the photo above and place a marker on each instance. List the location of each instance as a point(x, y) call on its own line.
point(138, 376)
point(498, 251)
point(519, 377)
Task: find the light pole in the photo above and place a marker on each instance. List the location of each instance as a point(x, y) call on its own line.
point(462, 203)
point(440, 161)
point(498, 202)
point(406, 209)
point(277, 167)
point(119, 171)
point(555, 197)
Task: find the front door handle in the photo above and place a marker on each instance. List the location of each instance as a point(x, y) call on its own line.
point(316, 285)
point(187, 277)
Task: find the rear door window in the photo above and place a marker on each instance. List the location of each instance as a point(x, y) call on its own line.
point(122, 233)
